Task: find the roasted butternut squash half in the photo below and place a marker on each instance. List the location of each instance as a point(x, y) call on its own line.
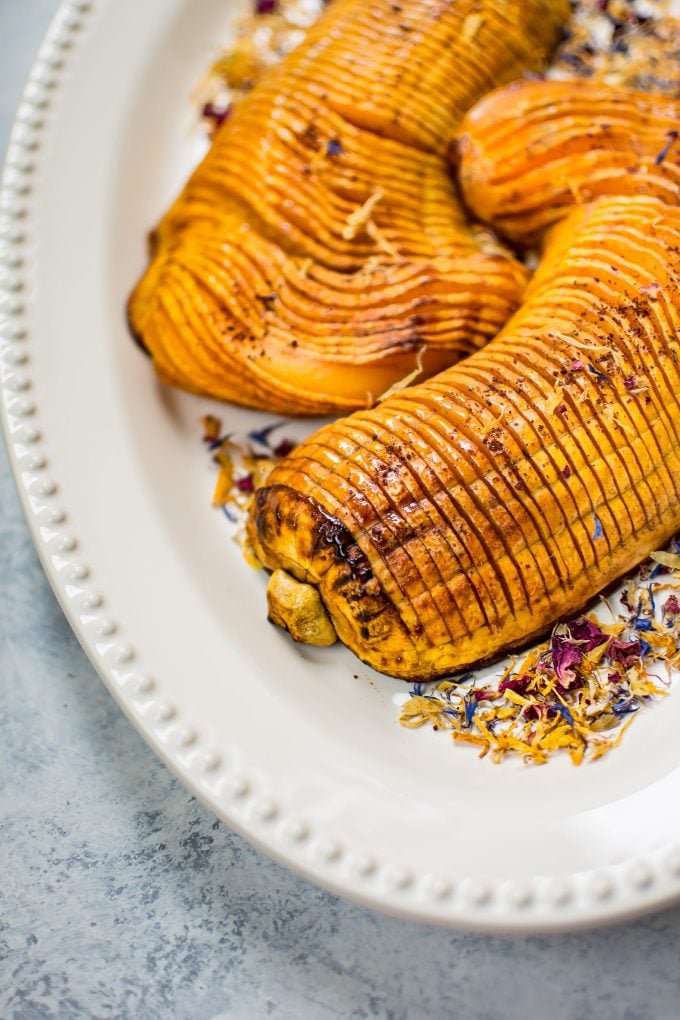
point(463, 516)
point(528, 152)
point(319, 253)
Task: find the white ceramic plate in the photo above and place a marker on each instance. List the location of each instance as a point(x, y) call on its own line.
point(300, 750)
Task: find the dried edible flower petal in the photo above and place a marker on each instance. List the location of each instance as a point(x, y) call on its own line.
point(245, 484)
point(586, 632)
point(261, 436)
point(565, 655)
point(212, 427)
point(577, 692)
point(215, 113)
point(624, 653)
point(667, 559)
point(671, 138)
point(284, 448)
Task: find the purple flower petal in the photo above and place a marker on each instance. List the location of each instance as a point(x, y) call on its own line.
point(586, 633)
point(565, 655)
point(624, 653)
point(245, 484)
point(284, 448)
point(217, 114)
point(518, 684)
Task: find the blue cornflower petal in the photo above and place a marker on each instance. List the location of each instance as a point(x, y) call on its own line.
point(261, 436)
point(563, 711)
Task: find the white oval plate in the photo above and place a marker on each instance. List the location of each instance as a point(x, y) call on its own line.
point(299, 750)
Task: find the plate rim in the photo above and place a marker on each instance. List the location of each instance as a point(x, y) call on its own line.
point(613, 892)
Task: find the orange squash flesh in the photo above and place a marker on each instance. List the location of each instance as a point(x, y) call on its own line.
point(319, 253)
point(528, 152)
point(462, 517)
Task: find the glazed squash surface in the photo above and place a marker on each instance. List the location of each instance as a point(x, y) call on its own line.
point(463, 516)
point(319, 254)
point(528, 152)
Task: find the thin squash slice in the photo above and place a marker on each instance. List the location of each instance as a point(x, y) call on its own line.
point(462, 517)
point(319, 253)
point(528, 152)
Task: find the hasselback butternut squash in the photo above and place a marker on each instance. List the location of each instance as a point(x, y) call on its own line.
point(527, 152)
point(463, 516)
point(319, 253)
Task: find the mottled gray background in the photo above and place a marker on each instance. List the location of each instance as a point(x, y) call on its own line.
point(121, 897)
